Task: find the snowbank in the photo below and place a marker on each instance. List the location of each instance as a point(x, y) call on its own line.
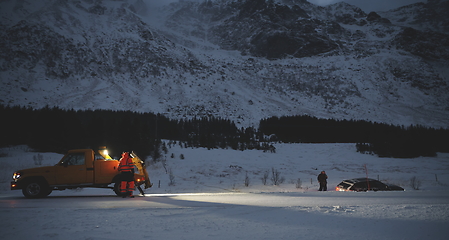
point(208, 199)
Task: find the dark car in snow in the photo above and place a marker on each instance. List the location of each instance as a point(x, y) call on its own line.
point(366, 184)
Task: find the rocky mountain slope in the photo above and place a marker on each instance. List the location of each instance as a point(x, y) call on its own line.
point(237, 59)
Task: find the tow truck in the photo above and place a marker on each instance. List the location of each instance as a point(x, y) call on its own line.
point(79, 168)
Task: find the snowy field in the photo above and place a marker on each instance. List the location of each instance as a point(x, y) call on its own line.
point(206, 197)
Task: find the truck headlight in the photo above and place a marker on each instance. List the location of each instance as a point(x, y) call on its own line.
point(16, 176)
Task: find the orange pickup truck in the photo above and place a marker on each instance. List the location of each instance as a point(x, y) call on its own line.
point(79, 168)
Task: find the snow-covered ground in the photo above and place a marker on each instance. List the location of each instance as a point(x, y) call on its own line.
point(208, 198)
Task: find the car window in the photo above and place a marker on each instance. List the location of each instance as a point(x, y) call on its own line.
point(360, 185)
point(344, 185)
point(74, 159)
point(377, 184)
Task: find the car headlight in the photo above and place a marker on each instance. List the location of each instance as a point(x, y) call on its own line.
point(16, 176)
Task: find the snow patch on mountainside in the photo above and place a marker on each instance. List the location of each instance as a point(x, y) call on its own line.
point(121, 55)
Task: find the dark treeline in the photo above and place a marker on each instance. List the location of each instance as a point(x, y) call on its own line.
point(56, 130)
point(377, 138)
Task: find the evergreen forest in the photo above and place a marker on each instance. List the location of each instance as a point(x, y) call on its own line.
point(51, 129)
point(384, 140)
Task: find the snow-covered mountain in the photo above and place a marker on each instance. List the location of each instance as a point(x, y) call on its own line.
point(238, 59)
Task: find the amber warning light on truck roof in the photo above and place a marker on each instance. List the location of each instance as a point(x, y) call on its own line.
point(104, 152)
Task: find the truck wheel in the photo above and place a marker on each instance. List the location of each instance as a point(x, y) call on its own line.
point(117, 188)
point(35, 189)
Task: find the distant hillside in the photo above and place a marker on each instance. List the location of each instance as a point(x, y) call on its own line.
point(240, 60)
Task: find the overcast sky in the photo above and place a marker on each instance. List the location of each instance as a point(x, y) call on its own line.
point(370, 5)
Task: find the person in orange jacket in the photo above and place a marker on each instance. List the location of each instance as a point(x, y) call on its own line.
point(126, 168)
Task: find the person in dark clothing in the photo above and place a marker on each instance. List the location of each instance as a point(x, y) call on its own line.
point(322, 179)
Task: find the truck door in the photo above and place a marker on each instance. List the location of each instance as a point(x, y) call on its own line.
point(72, 169)
point(141, 170)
